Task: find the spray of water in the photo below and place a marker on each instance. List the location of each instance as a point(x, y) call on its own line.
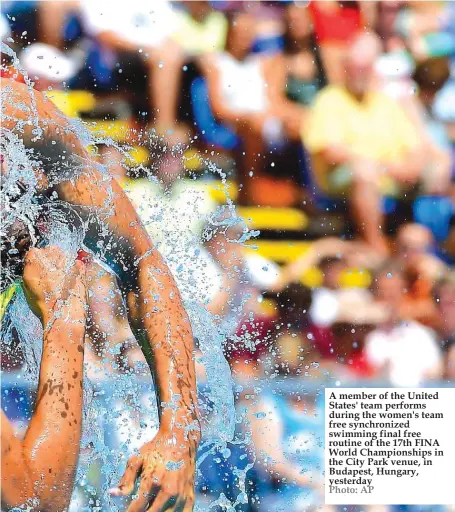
point(109, 435)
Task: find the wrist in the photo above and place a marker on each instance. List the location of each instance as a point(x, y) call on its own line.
point(182, 424)
point(68, 315)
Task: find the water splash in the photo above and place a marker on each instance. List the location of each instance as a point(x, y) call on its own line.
point(109, 431)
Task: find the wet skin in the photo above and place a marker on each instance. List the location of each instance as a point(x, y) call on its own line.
point(36, 472)
point(155, 309)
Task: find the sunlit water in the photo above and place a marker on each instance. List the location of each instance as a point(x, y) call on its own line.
point(121, 416)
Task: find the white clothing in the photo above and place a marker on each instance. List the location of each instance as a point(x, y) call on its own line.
point(408, 351)
point(144, 23)
point(262, 272)
point(42, 61)
point(242, 83)
point(325, 306)
point(394, 71)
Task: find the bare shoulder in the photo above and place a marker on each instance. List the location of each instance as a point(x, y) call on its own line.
point(23, 103)
point(37, 121)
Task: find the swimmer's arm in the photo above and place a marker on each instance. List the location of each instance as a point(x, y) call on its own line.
point(42, 466)
point(155, 309)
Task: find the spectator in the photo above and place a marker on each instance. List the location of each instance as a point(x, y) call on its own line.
point(201, 29)
point(404, 352)
point(430, 77)
point(427, 28)
point(444, 295)
point(52, 18)
point(136, 40)
point(384, 18)
point(295, 304)
point(325, 304)
point(361, 142)
point(247, 93)
point(305, 75)
point(331, 303)
point(335, 24)
point(413, 253)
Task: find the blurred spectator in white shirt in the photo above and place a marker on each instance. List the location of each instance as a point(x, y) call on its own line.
point(404, 352)
point(144, 29)
point(247, 93)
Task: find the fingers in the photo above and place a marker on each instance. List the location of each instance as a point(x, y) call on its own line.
point(189, 505)
point(163, 502)
point(146, 494)
point(126, 484)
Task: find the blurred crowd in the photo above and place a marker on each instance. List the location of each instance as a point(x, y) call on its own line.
point(344, 111)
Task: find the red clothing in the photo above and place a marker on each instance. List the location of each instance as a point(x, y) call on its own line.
point(324, 341)
point(83, 256)
point(337, 23)
point(12, 73)
point(251, 340)
point(360, 366)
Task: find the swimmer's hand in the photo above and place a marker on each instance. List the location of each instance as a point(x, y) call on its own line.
point(166, 467)
point(51, 279)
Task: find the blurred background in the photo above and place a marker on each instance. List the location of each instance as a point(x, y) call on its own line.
point(331, 126)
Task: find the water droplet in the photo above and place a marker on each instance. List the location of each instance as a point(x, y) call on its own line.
point(174, 466)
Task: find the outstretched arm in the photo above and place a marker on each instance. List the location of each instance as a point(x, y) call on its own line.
point(161, 325)
point(39, 470)
point(155, 308)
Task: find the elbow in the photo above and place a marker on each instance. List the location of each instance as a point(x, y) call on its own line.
point(408, 175)
point(56, 505)
point(333, 155)
point(49, 489)
point(54, 495)
point(38, 496)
